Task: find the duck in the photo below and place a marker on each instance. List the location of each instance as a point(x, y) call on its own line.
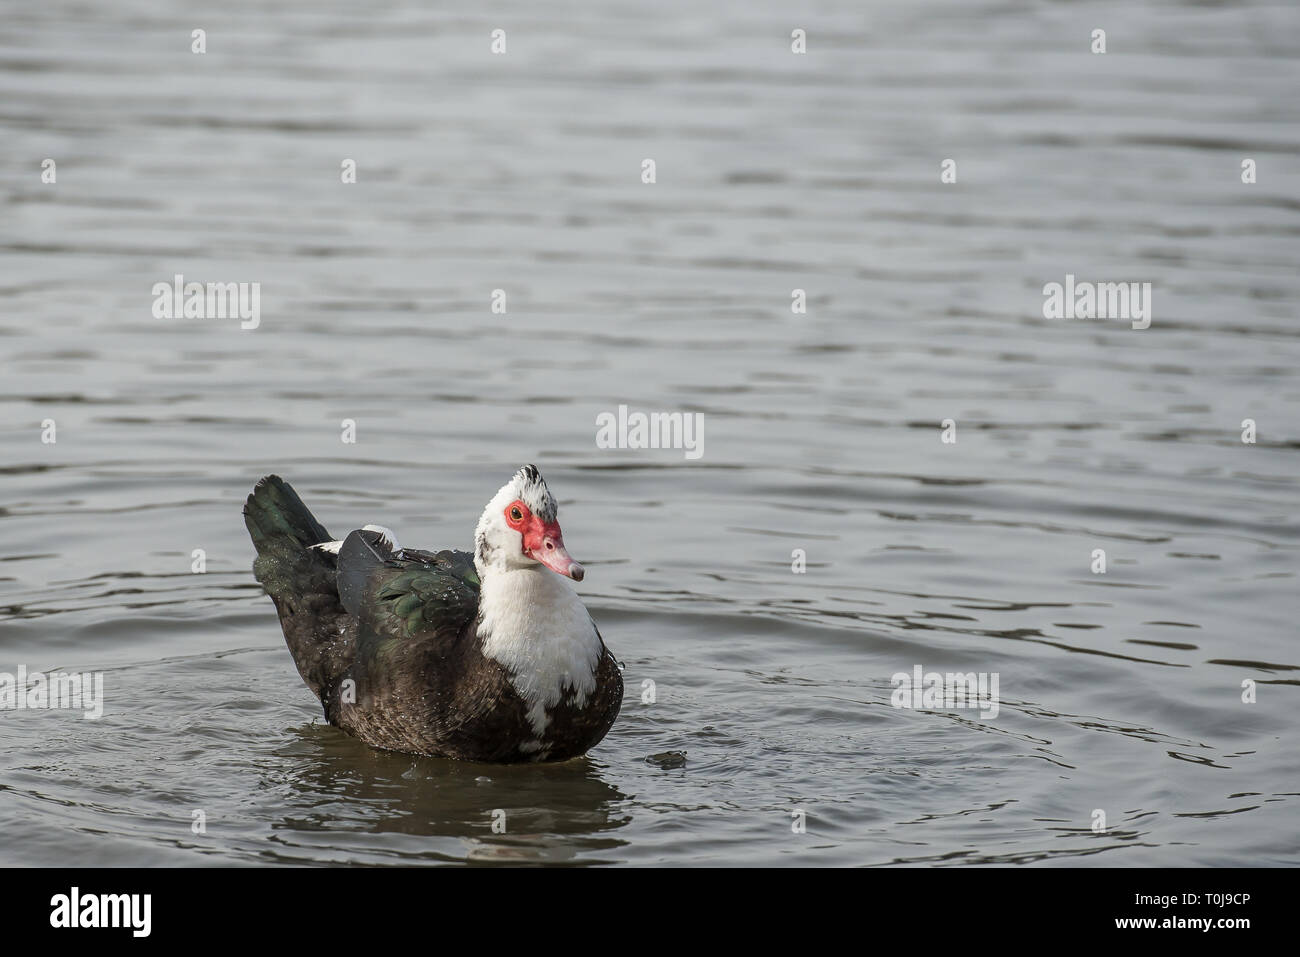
point(485, 656)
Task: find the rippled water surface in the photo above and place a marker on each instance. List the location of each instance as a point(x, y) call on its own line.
point(1120, 692)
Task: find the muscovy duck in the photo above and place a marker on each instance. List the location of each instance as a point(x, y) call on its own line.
point(483, 657)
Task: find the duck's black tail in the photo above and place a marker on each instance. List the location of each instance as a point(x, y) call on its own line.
point(283, 532)
point(301, 580)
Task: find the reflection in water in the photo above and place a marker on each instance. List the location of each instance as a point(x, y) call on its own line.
point(552, 813)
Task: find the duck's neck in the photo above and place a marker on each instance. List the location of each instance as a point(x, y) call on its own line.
point(534, 624)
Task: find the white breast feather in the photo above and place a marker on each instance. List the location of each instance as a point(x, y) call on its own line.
point(535, 625)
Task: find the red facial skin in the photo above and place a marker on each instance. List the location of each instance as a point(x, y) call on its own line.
point(542, 542)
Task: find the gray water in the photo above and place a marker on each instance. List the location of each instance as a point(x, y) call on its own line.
point(1120, 692)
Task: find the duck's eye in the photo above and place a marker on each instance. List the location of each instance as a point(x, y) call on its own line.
point(516, 514)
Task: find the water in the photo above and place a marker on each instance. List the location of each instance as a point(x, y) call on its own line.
point(1119, 692)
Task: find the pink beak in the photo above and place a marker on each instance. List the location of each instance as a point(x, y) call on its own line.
point(545, 544)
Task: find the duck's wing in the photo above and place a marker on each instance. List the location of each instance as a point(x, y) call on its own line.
point(417, 598)
point(412, 609)
point(411, 605)
point(405, 593)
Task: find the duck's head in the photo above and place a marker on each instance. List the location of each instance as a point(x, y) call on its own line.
point(519, 529)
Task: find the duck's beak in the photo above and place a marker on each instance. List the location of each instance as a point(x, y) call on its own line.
point(545, 544)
